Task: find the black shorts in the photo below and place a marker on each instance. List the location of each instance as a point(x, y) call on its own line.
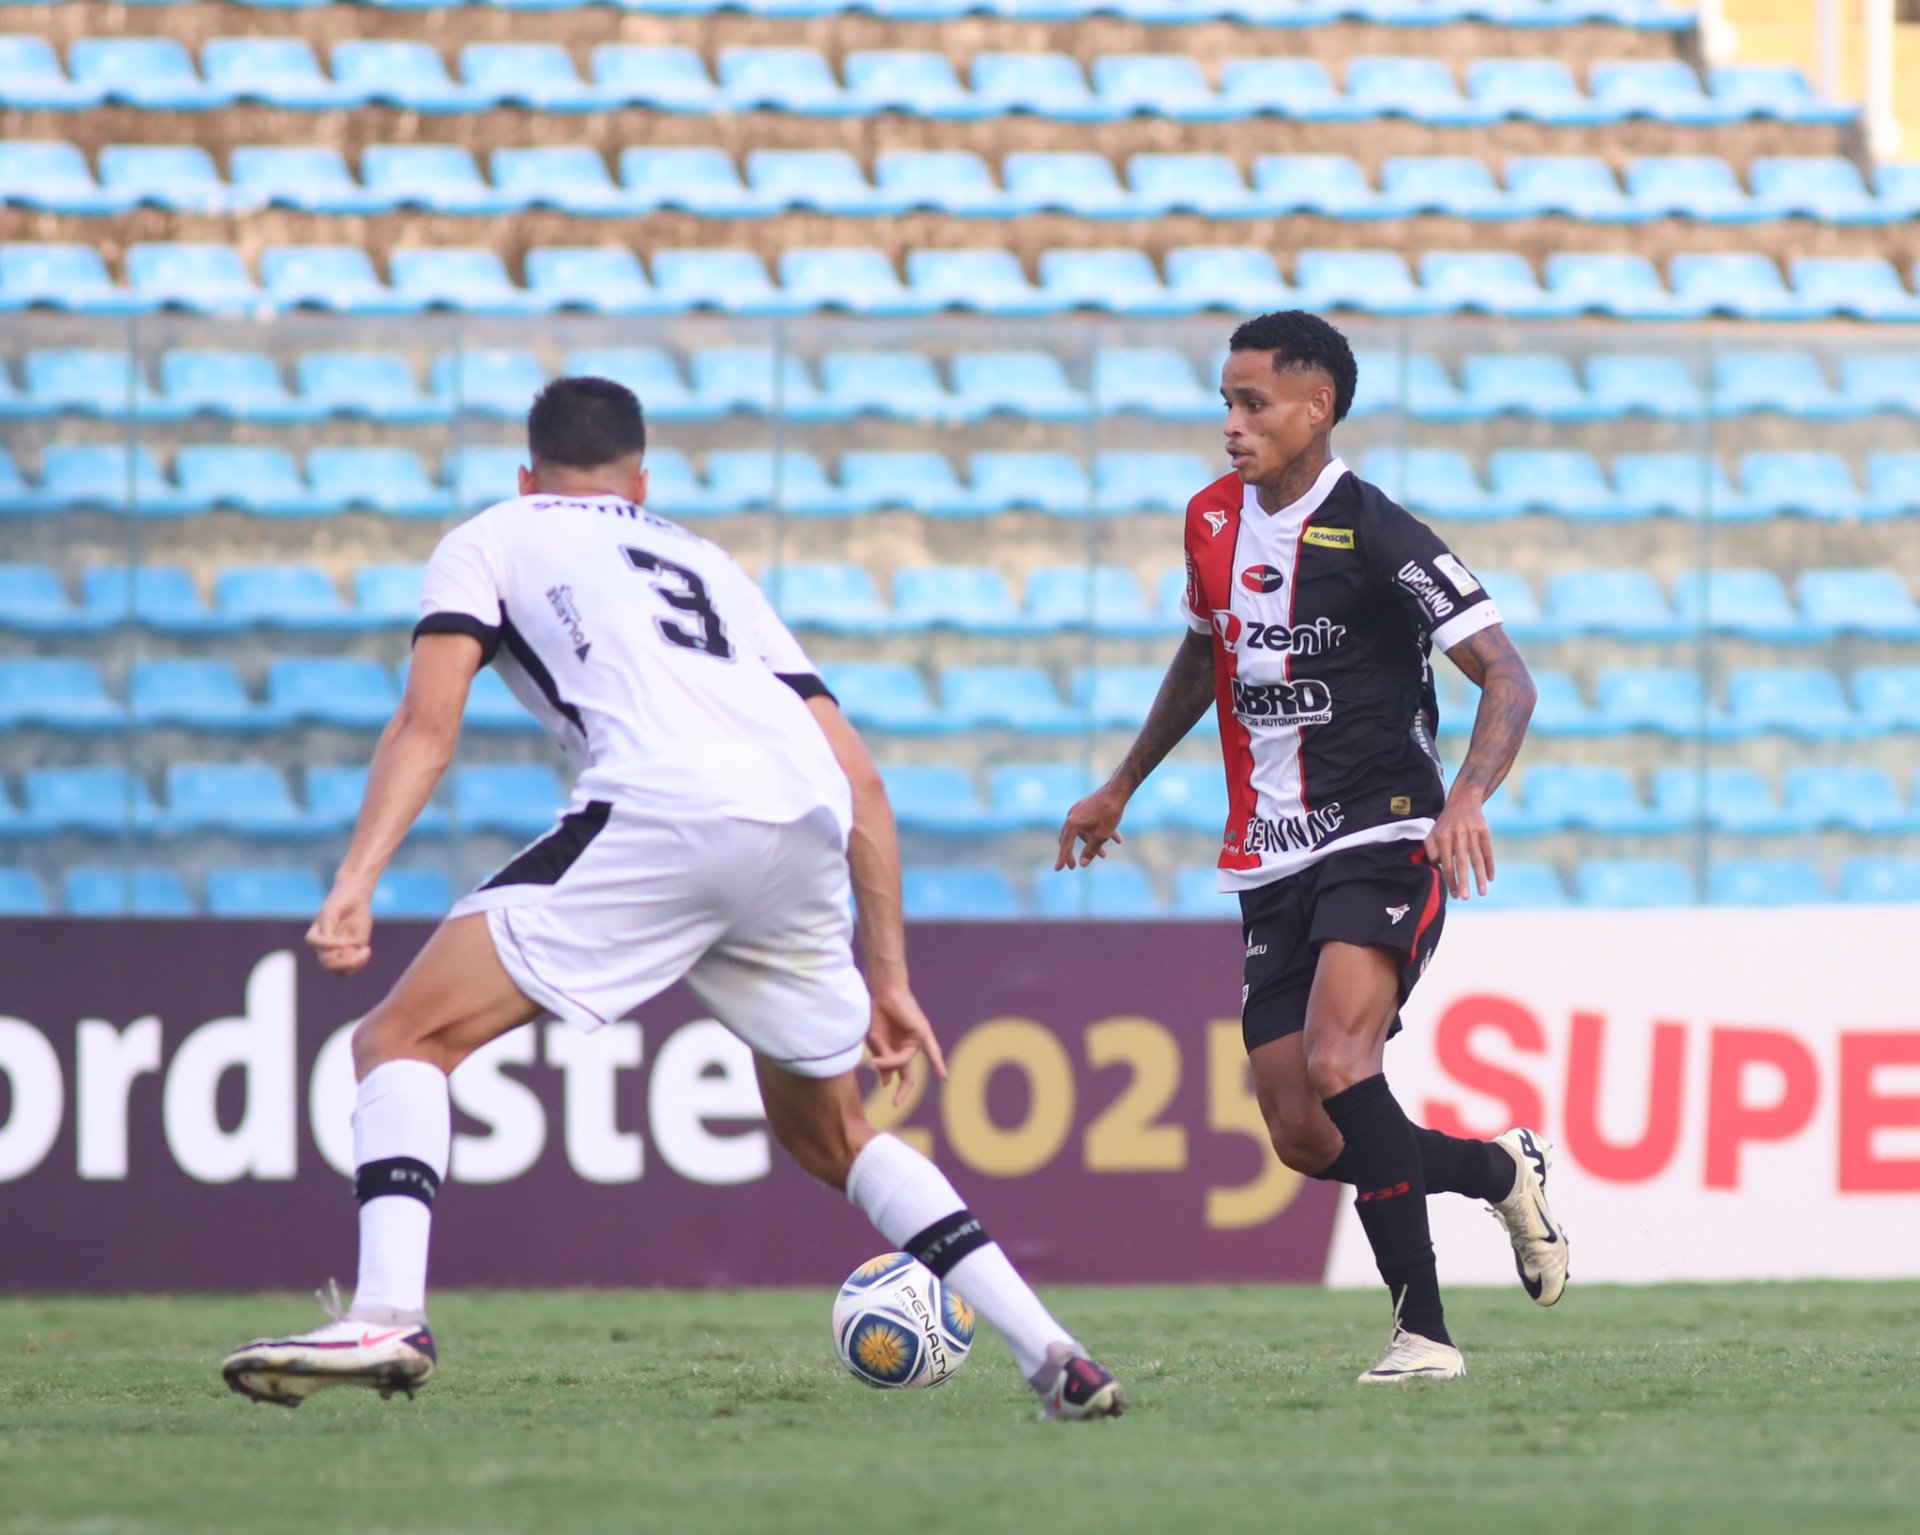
point(1386, 896)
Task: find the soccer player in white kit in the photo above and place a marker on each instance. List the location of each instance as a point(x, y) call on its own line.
point(722, 808)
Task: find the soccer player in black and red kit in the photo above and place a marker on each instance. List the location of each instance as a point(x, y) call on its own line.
point(1313, 602)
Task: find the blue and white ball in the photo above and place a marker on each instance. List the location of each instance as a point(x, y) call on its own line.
point(895, 1324)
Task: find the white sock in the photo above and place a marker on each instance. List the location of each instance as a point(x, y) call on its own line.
point(905, 1195)
point(402, 1132)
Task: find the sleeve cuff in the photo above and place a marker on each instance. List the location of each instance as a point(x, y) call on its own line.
point(807, 685)
point(461, 623)
point(1482, 615)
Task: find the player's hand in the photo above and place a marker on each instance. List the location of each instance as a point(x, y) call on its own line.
point(1461, 846)
point(900, 1031)
point(1093, 822)
point(343, 932)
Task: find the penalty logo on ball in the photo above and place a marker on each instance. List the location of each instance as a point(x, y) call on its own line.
point(895, 1324)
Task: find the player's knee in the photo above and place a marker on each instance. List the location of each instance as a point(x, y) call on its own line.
point(1336, 1064)
point(384, 1036)
point(1301, 1151)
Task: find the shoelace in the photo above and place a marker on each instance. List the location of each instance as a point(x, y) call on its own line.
point(332, 1301)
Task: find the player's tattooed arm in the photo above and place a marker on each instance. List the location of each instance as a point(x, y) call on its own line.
point(1185, 694)
point(1460, 843)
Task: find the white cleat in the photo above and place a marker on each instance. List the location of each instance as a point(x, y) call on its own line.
point(1539, 1241)
point(1412, 1357)
point(347, 1351)
point(1073, 1387)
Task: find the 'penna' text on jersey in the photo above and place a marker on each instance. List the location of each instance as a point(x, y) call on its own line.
point(1293, 833)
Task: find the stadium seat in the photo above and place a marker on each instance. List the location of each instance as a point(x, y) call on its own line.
point(1197, 895)
point(31, 78)
point(59, 692)
point(1420, 88)
point(923, 481)
point(1747, 286)
point(745, 378)
point(436, 178)
point(1801, 482)
point(1862, 799)
point(1727, 798)
point(355, 692)
point(491, 706)
point(1799, 701)
point(958, 894)
point(203, 278)
point(1295, 87)
point(95, 381)
point(1523, 383)
point(1824, 187)
point(244, 385)
point(1520, 610)
point(751, 479)
point(33, 601)
point(1016, 698)
point(1670, 701)
point(259, 480)
point(695, 179)
point(151, 72)
point(1748, 602)
point(1372, 281)
point(861, 281)
point(180, 178)
point(520, 799)
point(1118, 280)
point(1688, 186)
point(1181, 796)
point(1778, 91)
point(96, 476)
point(1627, 603)
point(1023, 383)
point(1881, 381)
point(198, 694)
point(1680, 485)
point(94, 890)
point(1766, 882)
point(570, 177)
point(815, 180)
point(161, 597)
point(61, 276)
point(1046, 84)
point(284, 893)
point(1666, 90)
point(474, 280)
point(53, 176)
point(1625, 285)
point(334, 795)
point(388, 594)
point(882, 695)
point(105, 800)
point(282, 596)
point(418, 894)
point(388, 480)
point(1052, 482)
point(330, 277)
point(671, 79)
point(839, 598)
point(273, 71)
point(1893, 484)
point(494, 381)
point(405, 74)
point(22, 894)
point(1539, 90)
point(311, 179)
point(1432, 482)
point(1063, 181)
point(921, 82)
point(1862, 287)
point(1148, 482)
point(1872, 602)
point(941, 180)
point(1036, 795)
point(539, 76)
point(1116, 697)
point(1157, 85)
point(605, 278)
point(780, 79)
point(1234, 277)
point(1577, 186)
point(1104, 598)
point(1458, 185)
point(1880, 878)
point(971, 598)
point(1520, 885)
point(1110, 891)
point(992, 281)
point(1631, 385)
point(1208, 184)
point(1789, 382)
point(898, 384)
point(649, 371)
point(1561, 482)
point(1334, 186)
point(246, 800)
point(1634, 882)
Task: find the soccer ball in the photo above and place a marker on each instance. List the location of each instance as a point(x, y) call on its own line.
point(896, 1324)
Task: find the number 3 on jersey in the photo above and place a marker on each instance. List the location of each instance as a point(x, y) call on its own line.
point(683, 589)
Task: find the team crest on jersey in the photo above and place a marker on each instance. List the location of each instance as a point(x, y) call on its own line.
point(1262, 578)
point(1216, 520)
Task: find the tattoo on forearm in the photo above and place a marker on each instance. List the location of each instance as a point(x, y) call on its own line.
point(1506, 704)
point(1183, 697)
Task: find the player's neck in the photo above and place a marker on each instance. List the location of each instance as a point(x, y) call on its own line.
point(1296, 479)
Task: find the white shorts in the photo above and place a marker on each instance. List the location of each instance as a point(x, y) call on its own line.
point(610, 908)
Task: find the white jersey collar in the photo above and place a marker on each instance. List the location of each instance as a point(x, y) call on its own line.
point(1296, 511)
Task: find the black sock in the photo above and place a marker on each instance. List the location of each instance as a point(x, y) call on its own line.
point(1339, 1170)
point(1478, 1169)
point(1383, 1153)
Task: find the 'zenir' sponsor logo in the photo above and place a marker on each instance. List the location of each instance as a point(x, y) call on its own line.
point(1292, 833)
point(1314, 639)
point(1415, 578)
point(1263, 704)
point(1261, 578)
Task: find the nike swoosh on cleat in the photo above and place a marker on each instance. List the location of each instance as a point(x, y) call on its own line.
point(1540, 1210)
point(1532, 1285)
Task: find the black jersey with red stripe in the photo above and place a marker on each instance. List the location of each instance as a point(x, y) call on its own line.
point(1323, 616)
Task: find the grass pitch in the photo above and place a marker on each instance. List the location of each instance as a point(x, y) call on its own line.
point(1749, 1409)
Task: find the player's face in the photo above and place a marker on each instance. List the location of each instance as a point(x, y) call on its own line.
point(1273, 414)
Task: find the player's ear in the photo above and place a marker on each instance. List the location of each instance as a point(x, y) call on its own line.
point(637, 492)
point(526, 481)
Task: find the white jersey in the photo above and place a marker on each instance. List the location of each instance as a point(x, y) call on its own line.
point(651, 657)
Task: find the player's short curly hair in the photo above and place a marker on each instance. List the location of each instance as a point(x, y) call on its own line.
point(584, 423)
point(1301, 340)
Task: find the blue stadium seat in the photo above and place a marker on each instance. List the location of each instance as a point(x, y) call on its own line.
point(411, 75)
point(840, 598)
point(107, 800)
point(196, 694)
point(95, 890)
point(1116, 697)
point(96, 475)
point(15, 498)
point(1046, 84)
point(1333, 186)
point(33, 601)
point(1748, 602)
point(992, 281)
point(1624, 285)
point(1729, 799)
point(1628, 603)
point(1459, 185)
point(1680, 485)
point(378, 385)
point(1158, 85)
point(1523, 383)
point(1634, 882)
point(1688, 186)
point(1197, 895)
point(1420, 88)
point(606, 278)
point(1888, 698)
point(1182, 796)
point(1778, 91)
point(971, 598)
point(696, 179)
point(497, 381)
point(815, 180)
point(243, 385)
point(860, 280)
point(943, 180)
point(1668, 700)
point(245, 799)
point(162, 597)
point(540, 76)
point(1801, 482)
point(1539, 90)
point(882, 695)
point(273, 71)
point(1630, 385)
point(1432, 482)
point(1105, 598)
point(963, 893)
point(1521, 885)
point(1862, 287)
point(388, 480)
point(282, 596)
point(329, 277)
point(919, 82)
point(1893, 484)
point(259, 480)
point(1154, 380)
point(1872, 602)
point(1789, 382)
point(1880, 878)
point(419, 894)
point(53, 176)
point(752, 479)
point(650, 372)
point(569, 177)
point(1156, 482)
point(491, 706)
point(31, 78)
point(439, 178)
point(63, 693)
point(334, 795)
point(1207, 184)
point(203, 278)
point(1023, 383)
point(1284, 87)
point(453, 278)
point(1800, 701)
point(1590, 798)
point(1063, 181)
point(285, 893)
point(672, 79)
point(151, 72)
point(1577, 186)
point(1766, 882)
point(1017, 698)
point(1120, 280)
point(1561, 482)
point(1372, 281)
point(1231, 277)
point(781, 79)
point(744, 378)
point(355, 692)
point(94, 381)
point(1859, 798)
point(1036, 795)
point(1747, 286)
point(1520, 611)
point(388, 594)
point(60, 276)
point(872, 480)
point(1824, 187)
point(310, 179)
point(897, 384)
point(1052, 482)
point(520, 799)
point(1666, 90)
point(181, 178)
point(1113, 891)
point(21, 894)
